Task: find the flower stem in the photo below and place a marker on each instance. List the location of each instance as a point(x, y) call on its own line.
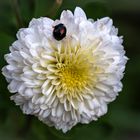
point(55, 7)
point(32, 6)
point(15, 5)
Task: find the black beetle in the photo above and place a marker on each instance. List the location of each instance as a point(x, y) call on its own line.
point(59, 31)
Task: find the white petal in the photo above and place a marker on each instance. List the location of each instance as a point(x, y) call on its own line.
point(37, 68)
point(46, 113)
point(79, 13)
point(66, 16)
point(13, 86)
point(28, 92)
point(60, 109)
point(47, 88)
point(45, 21)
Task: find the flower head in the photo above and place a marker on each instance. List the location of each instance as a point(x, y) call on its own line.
point(69, 76)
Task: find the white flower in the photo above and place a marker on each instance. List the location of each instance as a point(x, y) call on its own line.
point(68, 81)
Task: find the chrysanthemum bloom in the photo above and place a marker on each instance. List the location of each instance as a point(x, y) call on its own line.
point(68, 80)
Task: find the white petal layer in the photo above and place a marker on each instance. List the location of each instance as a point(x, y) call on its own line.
point(33, 69)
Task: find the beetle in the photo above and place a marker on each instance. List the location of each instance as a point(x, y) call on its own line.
point(59, 31)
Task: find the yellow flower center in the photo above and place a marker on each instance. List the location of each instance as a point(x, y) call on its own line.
point(76, 70)
point(72, 76)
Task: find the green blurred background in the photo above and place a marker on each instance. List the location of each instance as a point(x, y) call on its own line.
point(122, 122)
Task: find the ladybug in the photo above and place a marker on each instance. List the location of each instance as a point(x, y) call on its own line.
point(59, 31)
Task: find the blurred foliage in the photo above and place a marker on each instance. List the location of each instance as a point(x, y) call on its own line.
point(122, 122)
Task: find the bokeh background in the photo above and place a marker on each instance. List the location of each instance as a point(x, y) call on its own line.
point(122, 122)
